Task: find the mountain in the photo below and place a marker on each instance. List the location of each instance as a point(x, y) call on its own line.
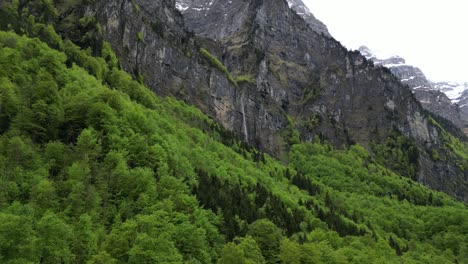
point(452, 89)
point(191, 8)
point(410, 75)
point(464, 106)
point(261, 71)
point(294, 84)
point(438, 98)
point(458, 94)
point(115, 144)
point(301, 9)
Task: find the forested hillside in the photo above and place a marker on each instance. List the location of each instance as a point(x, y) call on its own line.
point(96, 168)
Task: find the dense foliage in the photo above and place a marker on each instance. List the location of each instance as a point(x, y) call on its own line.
point(95, 168)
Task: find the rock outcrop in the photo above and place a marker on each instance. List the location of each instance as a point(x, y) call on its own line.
point(301, 9)
point(458, 94)
point(463, 103)
point(434, 97)
point(283, 80)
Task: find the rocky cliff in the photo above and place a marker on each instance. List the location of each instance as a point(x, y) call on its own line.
point(301, 9)
point(458, 94)
point(431, 96)
point(262, 71)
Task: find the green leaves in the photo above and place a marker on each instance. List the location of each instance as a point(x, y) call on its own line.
point(268, 237)
point(9, 102)
point(55, 238)
point(154, 250)
point(243, 251)
point(94, 168)
point(17, 238)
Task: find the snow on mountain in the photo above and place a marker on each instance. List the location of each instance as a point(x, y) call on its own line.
point(299, 7)
point(447, 99)
point(381, 57)
point(182, 6)
point(201, 5)
point(453, 90)
point(302, 10)
point(408, 74)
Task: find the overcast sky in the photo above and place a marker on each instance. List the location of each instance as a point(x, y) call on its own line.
point(429, 34)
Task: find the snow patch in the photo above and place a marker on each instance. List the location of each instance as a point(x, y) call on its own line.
point(409, 79)
point(395, 65)
point(377, 54)
point(418, 87)
point(390, 105)
point(453, 90)
point(181, 7)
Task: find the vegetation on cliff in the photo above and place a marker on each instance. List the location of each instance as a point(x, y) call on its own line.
point(95, 168)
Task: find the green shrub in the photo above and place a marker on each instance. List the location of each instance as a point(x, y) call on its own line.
point(245, 78)
point(216, 63)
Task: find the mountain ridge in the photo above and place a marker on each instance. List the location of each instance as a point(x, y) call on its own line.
point(441, 98)
point(274, 63)
point(301, 9)
point(96, 168)
point(288, 91)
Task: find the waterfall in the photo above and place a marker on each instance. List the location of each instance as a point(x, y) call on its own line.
point(244, 123)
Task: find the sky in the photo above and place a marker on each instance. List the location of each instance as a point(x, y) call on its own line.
point(429, 34)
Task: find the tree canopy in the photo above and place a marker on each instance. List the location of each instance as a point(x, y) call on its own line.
point(95, 168)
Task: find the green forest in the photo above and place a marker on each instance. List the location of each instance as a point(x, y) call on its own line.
point(96, 168)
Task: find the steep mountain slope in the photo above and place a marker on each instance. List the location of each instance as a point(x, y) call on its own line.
point(97, 169)
point(408, 74)
point(463, 103)
point(302, 80)
point(430, 95)
point(191, 9)
point(301, 9)
point(458, 94)
point(261, 71)
point(452, 89)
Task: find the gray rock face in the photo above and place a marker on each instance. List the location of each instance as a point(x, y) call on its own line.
point(410, 75)
point(390, 60)
point(463, 103)
point(193, 9)
point(455, 91)
point(431, 98)
point(458, 94)
point(298, 79)
point(197, 20)
point(301, 9)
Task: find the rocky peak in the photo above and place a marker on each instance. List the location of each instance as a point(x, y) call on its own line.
point(453, 90)
point(380, 58)
point(213, 18)
point(301, 9)
point(463, 104)
point(366, 52)
point(458, 94)
point(220, 14)
point(438, 98)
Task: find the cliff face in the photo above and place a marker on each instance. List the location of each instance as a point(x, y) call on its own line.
point(302, 74)
point(302, 10)
point(463, 103)
point(284, 81)
point(458, 94)
point(431, 97)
